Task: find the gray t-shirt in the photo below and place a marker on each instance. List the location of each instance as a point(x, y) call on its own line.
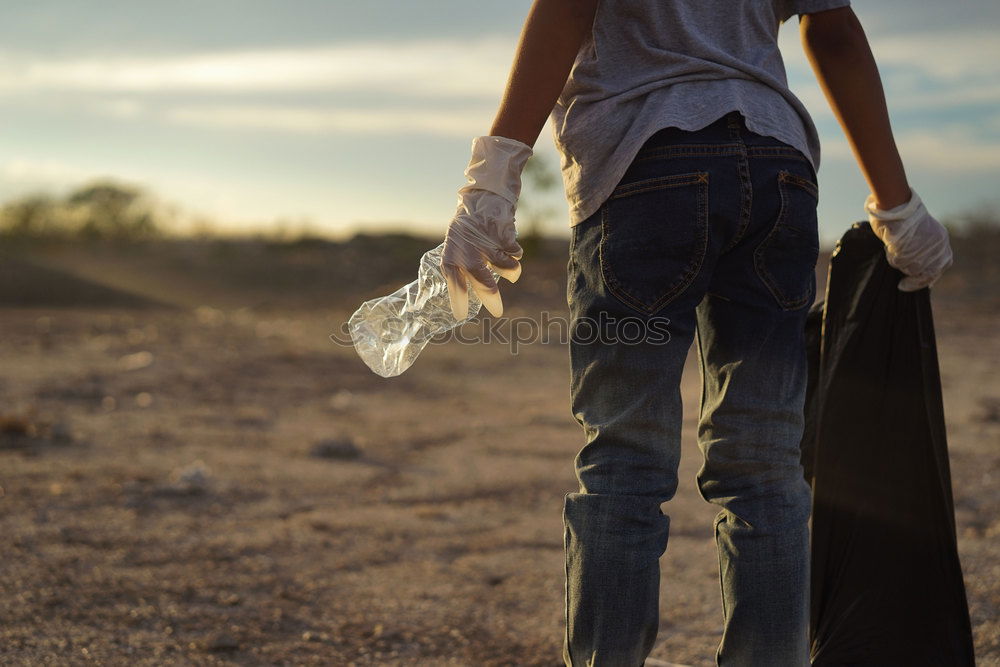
point(650, 64)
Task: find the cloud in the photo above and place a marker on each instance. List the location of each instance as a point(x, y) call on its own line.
point(32, 172)
point(921, 71)
point(950, 149)
point(461, 123)
point(122, 108)
point(419, 67)
point(910, 98)
point(952, 97)
point(954, 149)
point(941, 54)
point(411, 76)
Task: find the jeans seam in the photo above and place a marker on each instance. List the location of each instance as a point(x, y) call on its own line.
point(718, 548)
point(776, 151)
point(658, 183)
point(616, 288)
point(746, 186)
point(566, 639)
point(570, 262)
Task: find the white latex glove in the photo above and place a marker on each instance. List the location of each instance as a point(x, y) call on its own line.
point(915, 242)
point(482, 236)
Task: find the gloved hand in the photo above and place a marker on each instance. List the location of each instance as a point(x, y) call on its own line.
point(482, 236)
point(915, 242)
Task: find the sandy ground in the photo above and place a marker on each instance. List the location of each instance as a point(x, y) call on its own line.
point(219, 483)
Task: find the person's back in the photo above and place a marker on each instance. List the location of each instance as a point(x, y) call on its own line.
point(691, 174)
point(648, 65)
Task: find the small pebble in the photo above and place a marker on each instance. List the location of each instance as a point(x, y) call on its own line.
point(221, 643)
point(136, 361)
point(337, 448)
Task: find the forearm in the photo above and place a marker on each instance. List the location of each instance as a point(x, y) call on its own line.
point(550, 40)
point(849, 77)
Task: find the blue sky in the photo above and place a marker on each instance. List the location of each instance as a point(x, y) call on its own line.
point(359, 115)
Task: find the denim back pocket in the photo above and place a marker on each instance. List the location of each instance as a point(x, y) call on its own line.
point(786, 259)
point(654, 234)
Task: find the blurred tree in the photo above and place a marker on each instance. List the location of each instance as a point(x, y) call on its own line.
point(110, 210)
point(537, 179)
point(100, 210)
point(34, 215)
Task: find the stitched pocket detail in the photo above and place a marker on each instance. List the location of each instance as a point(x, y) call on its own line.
point(654, 235)
point(785, 260)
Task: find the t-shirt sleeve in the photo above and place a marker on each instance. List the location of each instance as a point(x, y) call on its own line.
point(811, 6)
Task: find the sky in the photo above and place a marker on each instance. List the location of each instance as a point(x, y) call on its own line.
point(348, 116)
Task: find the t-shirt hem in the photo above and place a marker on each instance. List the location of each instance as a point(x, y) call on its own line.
point(813, 6)
point(590, 205)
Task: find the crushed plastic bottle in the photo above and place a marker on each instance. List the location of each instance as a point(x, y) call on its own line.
point(389, 332)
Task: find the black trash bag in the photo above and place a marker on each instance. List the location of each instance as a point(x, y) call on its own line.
point(887, 584)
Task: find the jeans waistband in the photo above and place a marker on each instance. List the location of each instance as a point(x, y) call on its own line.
point(728, 135)
point(729, 128)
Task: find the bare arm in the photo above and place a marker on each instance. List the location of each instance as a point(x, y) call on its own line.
point(550, 40)
point(841, 57)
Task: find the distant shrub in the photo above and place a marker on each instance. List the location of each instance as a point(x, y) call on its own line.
point(99, 210)
point(34, 216)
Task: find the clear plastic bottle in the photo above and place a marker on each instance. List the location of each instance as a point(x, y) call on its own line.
point(389, 332)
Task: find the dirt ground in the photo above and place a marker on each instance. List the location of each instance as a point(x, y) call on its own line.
point(192, 472)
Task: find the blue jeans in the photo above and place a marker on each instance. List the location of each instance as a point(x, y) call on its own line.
point(711, 236)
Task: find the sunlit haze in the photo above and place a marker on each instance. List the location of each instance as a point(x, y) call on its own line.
point(349, 116)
